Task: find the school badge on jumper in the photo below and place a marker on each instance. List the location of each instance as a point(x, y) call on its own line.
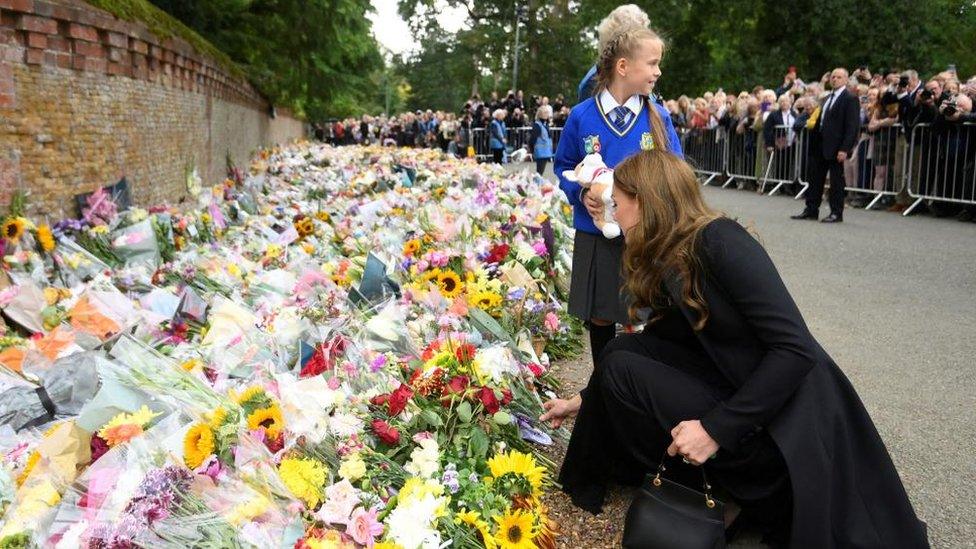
point(592, 144)
point(647, 141)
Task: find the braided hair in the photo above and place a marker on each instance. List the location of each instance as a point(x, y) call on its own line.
point(621, 34)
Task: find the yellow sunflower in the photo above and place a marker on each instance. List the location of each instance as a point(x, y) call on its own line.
point(411, 247)
point(322, 216)
point(518, 464)
point(269, 418)
point(450, 284)
point(13, 228)
point(485, 300)
point(45, 238)
point(516, 530)
point(473, 519)
point(251, 395)
point(197, 445)
point(218, 417)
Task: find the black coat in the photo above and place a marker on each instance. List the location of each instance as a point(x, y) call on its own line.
point(846, 490)
point(840, 130)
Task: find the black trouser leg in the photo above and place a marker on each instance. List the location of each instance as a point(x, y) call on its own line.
point(540, 166)
point(599, 337)
point(496, 155)
point(818, 173)
point(837, 184)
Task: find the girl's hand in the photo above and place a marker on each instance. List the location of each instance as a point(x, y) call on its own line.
point(593, 205)
point(558, 409)
point(693, 442)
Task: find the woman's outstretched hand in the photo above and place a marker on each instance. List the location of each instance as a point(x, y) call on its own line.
point(558, 409)
point(690, 440)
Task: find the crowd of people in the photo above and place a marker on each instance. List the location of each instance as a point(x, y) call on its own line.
point(892, 104)
point(448, 131)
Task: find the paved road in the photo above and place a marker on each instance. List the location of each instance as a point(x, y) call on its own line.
point(893, 300)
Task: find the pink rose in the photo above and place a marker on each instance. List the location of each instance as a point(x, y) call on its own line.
point(552, 322)
point(363, 526)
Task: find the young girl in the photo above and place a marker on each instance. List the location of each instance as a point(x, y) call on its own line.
point(616, 122)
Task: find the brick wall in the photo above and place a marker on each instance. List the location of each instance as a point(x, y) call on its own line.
point(86, 98)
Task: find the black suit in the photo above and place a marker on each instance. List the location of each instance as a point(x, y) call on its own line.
point(836, 131)
point(763, 389)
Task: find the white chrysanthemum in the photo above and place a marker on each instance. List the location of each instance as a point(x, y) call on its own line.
point(345, 425)
point(409, 523)
point(425, 459)
point(494, 363)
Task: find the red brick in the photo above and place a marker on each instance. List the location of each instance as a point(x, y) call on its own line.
point(26, 6)
point(88, 49)
point(33, 23)
point(119, 69)
point(95, 64)
point(59, 44)
point(34, 56)
point(36, 40)
point(63, 60)
point(78, 62)
point(83, 32)
point(115, 55)
point(117, 40)
point(139, 46)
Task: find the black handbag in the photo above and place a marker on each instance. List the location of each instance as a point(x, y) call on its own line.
point(667, 515)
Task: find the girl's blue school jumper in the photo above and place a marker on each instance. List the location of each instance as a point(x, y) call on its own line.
point(585, 120)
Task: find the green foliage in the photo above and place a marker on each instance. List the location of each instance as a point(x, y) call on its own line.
point(734, 44)
point(316, 57)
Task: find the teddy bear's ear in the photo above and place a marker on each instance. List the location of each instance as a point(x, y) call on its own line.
point(570, 175)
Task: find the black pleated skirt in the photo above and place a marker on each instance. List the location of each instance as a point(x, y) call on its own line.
point(597, 279)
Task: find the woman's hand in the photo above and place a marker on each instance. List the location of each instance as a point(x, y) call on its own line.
point(593, 205)
point(690, 440)
point(558, 409)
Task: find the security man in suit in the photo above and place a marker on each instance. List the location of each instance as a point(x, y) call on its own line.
point(831, 141)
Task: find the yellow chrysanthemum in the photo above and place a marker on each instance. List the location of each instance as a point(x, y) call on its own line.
point(124, 427)
point(305, 478)
point(516, 530)
point(520, 464)
point(387, 545)
point(191, 364)
point(269, 418)
point(198, 445)
point(322, 216)
point(249, 510)
point(32, 460)
point(45, 238)
point(13, 228)
point(450, 284)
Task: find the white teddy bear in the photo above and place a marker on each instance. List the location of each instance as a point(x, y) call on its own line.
point(592, 173)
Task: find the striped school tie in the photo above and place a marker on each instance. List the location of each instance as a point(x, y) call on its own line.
point(621, 117)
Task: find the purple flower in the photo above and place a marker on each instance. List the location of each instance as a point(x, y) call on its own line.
point(529, 432)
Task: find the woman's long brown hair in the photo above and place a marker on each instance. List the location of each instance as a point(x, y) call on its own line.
point(663, 242)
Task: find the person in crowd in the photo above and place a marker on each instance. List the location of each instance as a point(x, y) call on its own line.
point(884, 115)
point(779, 137)
point(831, 142)
point(517, 120)
point(540, 141)
point(498, 136)
point(617, 121)
point(559, 118)
point(457, 147)
point(727, 375)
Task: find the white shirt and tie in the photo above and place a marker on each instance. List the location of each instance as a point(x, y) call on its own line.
point(619, 115)
point(829, 104)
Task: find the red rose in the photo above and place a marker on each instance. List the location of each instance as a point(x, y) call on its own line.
point(498, 253)
point(386, 433)
point(536, 369)
point(398, 400)
point(506, 396)
point(457, 386)
point(465, 353)
point(488, 399)
point(379, 400)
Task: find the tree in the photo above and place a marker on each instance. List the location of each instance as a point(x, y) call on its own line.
point(317, 57)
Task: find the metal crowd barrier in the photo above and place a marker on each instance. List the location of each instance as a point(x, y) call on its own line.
point(940, 164)
point(779, 158)
point(517, 138)
point(705, 149)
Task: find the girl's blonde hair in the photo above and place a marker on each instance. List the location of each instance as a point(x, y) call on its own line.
point(620, 35)
point(543, 112)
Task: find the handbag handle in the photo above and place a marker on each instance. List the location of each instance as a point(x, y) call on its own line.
point(707, 488)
